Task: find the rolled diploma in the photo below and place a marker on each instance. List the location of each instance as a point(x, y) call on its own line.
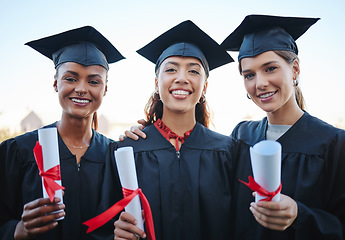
point(266, 165)
point(124, 158)
point(48, 139)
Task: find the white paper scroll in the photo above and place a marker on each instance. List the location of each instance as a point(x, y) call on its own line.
point(266, 165)
point(48, 139)
point(124, 158)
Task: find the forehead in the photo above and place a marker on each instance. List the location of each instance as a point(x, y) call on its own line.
point(81, 69)
point(182, 60)
point(261, 59)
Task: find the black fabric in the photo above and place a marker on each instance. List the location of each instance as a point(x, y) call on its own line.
point(83, 45)
point(20, 184)
point(261, 33)
point(186, 32)
point(313, 167)
point(183, 50)
point(189, 191)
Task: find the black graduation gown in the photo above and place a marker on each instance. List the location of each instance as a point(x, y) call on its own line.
point(313, 174)
point(20, 184)
point(189, 191)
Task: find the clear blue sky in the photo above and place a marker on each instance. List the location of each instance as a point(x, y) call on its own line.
point(27, 76)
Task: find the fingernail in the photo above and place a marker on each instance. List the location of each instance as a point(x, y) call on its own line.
point(61, 214)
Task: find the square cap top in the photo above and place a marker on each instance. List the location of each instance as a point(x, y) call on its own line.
point(83, 45)
point(186, 40)
point(260, 33)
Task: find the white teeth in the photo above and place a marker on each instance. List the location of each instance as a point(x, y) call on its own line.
point(80, 100)
point(267, 95)
point(180, 92)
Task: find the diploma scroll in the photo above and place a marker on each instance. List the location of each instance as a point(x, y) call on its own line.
point(266, 165)
point(124, 158)
point(48, 139)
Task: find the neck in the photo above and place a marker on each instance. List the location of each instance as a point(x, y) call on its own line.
point(286, 115)
point(75, 131)
point(179, 123)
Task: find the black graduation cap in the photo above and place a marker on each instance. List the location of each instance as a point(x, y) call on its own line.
point(186, 40)
point(83, 45)
point(260, 33)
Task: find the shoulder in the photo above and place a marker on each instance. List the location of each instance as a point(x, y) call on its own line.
point(250, 131)
point(316, 127)
point(204, 138)
point(101, 139)
point(27, 141)
point(153, 141)
point(19, 147)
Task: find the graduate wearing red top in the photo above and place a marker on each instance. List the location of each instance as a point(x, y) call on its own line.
point(183, 168)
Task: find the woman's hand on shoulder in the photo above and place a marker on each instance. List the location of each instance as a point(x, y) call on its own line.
point(37, 218)
point(125, 228)
point(275, 215)
point(135, 131)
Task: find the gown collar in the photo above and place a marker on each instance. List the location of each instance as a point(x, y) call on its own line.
point(168, 133)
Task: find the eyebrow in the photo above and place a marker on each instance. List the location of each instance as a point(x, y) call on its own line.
point(263, 65)
point(177, 64)
point(268, 63)
point(71, 72)
point(77, 74)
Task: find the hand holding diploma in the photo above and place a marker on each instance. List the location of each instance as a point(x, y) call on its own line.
point(266, 165)
point(124, 158)
point(47, 158)
point(41, 215)
point(271, 209)
point(275, 215)
point(125, 163)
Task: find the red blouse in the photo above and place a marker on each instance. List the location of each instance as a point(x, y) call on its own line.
point(168, 133)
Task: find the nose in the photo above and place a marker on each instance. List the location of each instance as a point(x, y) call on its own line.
point(81, 88)
point(181, 78)
point(261, 81)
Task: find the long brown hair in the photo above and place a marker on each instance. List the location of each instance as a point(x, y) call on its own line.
point(289, 57)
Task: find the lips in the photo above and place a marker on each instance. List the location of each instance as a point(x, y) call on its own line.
point(180, 92)
point(80, 101)
point(266, 95)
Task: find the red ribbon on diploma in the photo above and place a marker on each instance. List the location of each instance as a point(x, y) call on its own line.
point(260, 190)
point(48, 176)
point(104, 217)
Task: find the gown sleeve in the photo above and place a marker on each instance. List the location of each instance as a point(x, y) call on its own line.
point(10, 183)
point(327, 223)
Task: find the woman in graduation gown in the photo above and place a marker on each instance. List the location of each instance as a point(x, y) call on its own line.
point(183, 168)
point(312, 204)
point(81, 58)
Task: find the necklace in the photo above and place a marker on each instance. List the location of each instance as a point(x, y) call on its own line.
point(77, 146)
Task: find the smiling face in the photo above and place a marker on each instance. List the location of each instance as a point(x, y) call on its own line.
point(80, 88)
point(180, 83)
point(268, 79)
